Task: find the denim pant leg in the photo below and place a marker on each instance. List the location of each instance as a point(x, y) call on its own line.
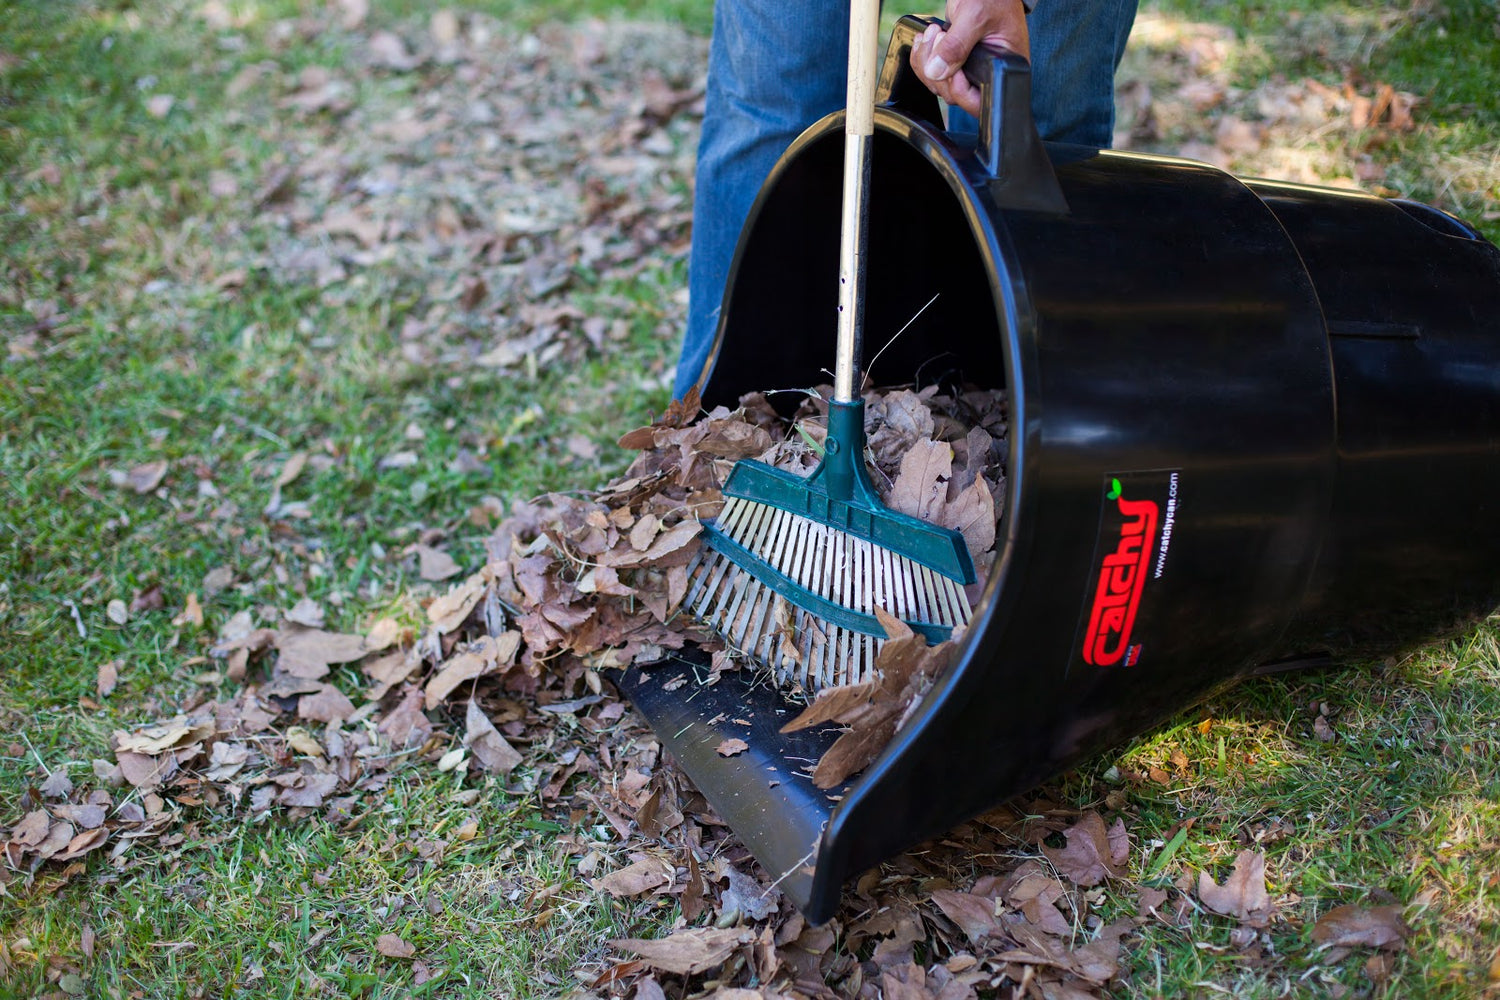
point(774, 68)
point(1076, 46)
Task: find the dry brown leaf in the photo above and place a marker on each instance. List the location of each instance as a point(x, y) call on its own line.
point(974, 915)
point(32, 829)
point(155, 739)
point(59, 836)
point(191, 613)
point(1243, 895)
point(745, 898)
point(1090, 856)
point(643, 532)
point(109, 676)
point(307, 653)
point(689, 951)
point(666, 543)
point(57, 786)
point(308, 790)
point(487, 655)
point(327, 704)
point(147, 599)
point(391, 946)
point(385, 633)
point(450, 610)
point(836, 704)
point(972, 514)
point(407, 725)
point(303, 742)
point(643, 876)
point(82, 844)
point(435, 564)
point(731, 746)
point(389, 670)
point(147, 477)
point(853, 752)
point(491, 749)
point(1371, 927)
point(921, 487)
point(306, 612)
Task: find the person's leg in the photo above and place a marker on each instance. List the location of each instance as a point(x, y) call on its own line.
point(774, 68)
point(1076, 46)
point(1075, 49)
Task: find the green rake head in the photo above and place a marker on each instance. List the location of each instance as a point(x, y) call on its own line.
point(793, 569)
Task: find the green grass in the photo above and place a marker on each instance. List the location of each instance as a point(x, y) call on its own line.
point(108, 216)
point(109, 225)
point(1403, 806)
point(1446, 53)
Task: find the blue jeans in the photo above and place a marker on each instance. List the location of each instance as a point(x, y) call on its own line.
point(776, 67)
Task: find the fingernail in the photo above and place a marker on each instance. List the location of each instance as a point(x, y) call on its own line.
point(930, 34)
point(937, 69)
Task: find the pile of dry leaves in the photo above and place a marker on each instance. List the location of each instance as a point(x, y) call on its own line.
point(575, 586)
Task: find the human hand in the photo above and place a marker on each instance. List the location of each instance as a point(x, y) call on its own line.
point(938, 56)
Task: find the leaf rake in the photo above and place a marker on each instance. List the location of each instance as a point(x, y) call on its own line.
point(792, 570)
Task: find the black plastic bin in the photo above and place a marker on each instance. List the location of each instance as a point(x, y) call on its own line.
point(1253, 425)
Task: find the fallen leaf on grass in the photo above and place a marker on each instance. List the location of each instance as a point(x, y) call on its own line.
point(307, 612)
point(1372, 927)
point(643, 876)
point(385, 633)
point(191, 613)
point(391, 946)
point(146, 477)
point(491, 749)
point(974, 915)
point(308, 653)
point(687, 952)
point(57, 785)
point(435, 564)
point(32, 829)
point(217, 579)
point(448, 612)
point(155, 739)
point(488, 655)
point(303, 742)
point(327, 704)
point(109, 677)
point(1093, 853)
point(1243, 895)
point(305, 789)
point(147, 599)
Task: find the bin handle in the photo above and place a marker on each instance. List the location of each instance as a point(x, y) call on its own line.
point(1009, 148)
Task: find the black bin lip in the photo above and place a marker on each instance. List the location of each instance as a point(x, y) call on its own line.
point(966, 181)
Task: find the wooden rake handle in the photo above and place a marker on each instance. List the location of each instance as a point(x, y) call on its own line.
point(859, 125)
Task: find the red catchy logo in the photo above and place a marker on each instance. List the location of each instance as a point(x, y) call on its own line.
point(1122, 576)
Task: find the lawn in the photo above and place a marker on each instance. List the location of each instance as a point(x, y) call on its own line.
point(299, 298)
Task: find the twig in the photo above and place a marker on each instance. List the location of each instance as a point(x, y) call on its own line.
point(899, 332)
point(795, 865)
